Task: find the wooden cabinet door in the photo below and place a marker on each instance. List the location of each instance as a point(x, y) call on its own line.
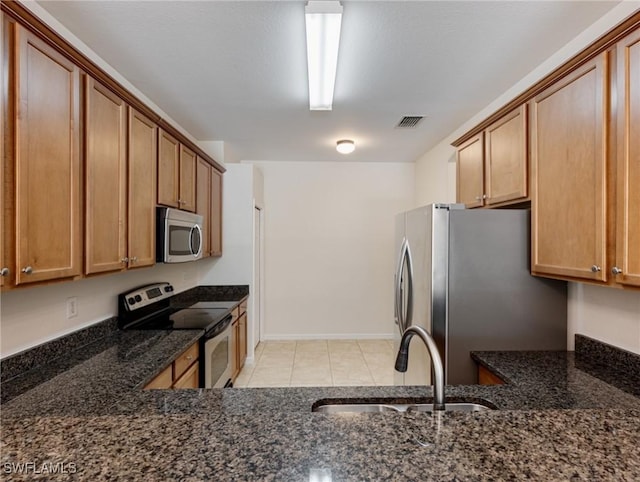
point(235, 353)
point(7, 217)
point(628, 172)
point(470, 177)
point(168, 169)
point(47, 157)
point(242, 340)
point(187, 199)
point(568, 155)
point(216, 213)
point(506, 158)
point(190, 379)
point(203, 203)
point(105, 179)
point(162, 381)
point(143, 156)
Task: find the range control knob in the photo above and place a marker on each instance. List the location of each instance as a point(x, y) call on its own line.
point(138, 298)
point(168, 289)
point(131, 301)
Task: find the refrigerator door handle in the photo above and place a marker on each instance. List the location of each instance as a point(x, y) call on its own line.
point(399, 309)
point(408, 321)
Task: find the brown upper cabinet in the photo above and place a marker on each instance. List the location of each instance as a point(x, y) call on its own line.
point(47, 162)
point(176, 173)
point(105, 179)
point(209, 205)
point(492, 166)
point(470, 178)
point(6, 149)
point(216, 212)
point(584, 148)
point(143, 155)
point(505, 160)
point(83, 163)
point(120, 183)
point(569, 160)
point(203, 203)
point(627, 259)
point(187, 199)
point(168, 169)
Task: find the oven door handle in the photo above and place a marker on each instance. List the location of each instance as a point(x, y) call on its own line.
point(220, 327)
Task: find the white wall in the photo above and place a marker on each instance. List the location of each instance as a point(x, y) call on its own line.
point(436, 176)
point(31, 316)
point(606, 314)
point(603, 313)
point(329, 247)
point(235, 267)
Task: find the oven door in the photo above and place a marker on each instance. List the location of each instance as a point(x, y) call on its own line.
point(217, 359)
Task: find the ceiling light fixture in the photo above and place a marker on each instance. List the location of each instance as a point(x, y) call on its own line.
point(323, 20)
point(345, 146)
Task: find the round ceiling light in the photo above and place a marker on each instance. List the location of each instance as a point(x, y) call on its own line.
point(345, 146)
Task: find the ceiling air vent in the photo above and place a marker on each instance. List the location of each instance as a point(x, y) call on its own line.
point(409, 121)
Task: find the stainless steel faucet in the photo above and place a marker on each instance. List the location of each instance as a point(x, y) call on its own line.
point(438, 372)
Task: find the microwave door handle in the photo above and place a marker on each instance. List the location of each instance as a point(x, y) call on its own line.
point(196, 227)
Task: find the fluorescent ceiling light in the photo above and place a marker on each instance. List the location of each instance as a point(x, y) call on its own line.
point(323, 20)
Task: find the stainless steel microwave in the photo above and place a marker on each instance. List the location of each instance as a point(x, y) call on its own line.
point(178, 236)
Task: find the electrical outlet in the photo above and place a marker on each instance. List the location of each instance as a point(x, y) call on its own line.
point(72, 307)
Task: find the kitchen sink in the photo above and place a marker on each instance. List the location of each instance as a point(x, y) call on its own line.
point(372, 407)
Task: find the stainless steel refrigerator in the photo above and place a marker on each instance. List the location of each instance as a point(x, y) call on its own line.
point(464, 276)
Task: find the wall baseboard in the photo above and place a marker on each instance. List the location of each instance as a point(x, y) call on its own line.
point(330, 336)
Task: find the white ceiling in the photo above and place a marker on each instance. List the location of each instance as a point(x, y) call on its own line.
point(236, 70)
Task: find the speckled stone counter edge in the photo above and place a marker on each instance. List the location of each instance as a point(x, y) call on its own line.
point(618, 367)
point(212, 293)
point(14, 365)
point(599, 353)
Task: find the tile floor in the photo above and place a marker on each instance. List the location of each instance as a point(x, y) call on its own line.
point(316, 363)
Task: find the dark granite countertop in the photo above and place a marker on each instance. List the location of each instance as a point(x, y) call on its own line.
point(557, 420)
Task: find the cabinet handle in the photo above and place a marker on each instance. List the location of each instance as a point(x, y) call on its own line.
point(616, 270)
point(27, 270)
point(484, 196)
point(134, 259)
point(189, 357)
point(124, 260)
point(180, 201)
point(4, 272)
point(596, 269)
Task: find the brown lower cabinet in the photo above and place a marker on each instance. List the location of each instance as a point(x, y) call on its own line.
point(239, 339)
point(487, 377)
point(183, 372)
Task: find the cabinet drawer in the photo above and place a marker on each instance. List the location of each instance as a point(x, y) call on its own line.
point(163, 380)
point(190, 378)
point(185, 360)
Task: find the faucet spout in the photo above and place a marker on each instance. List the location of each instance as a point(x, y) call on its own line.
point(402, 360)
